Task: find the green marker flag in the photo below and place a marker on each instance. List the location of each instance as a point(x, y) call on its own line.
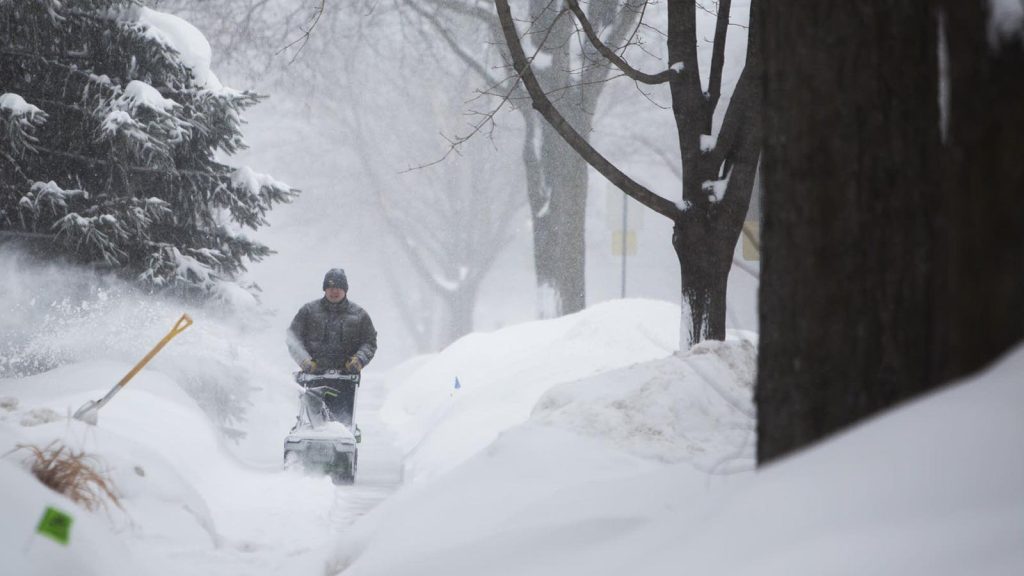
point(56, 525)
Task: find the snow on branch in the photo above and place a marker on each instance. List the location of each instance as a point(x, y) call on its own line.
point(147, 120)
point(18, 122)
point(137, 94)
point(48, 195)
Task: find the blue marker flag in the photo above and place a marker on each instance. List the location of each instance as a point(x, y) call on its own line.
point(457, 384)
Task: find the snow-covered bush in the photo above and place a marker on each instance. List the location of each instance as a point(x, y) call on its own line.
point(110, 125)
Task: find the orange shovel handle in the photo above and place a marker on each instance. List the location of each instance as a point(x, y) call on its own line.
point(184, 322)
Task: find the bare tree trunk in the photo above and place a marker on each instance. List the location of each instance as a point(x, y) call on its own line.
point(707, 223)
point(704, 265)
point(559, 230)
point(560, 196)
point(461, 305)
point(705, 233)
point(878, 281)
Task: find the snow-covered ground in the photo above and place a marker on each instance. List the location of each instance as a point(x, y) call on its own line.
point(188, 504)
point(646, 470)
point(580, 445)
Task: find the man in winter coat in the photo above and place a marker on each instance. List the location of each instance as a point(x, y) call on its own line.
point(333, 333)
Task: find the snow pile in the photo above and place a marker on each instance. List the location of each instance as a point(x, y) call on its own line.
point(192, 445)
point(538, 501)
point(92, 549)
point(933, 487)
point(179, 488)
point(696, 408)
point(502, 374)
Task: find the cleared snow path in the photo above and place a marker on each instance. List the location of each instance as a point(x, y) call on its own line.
point(279, 522)
point(285, 522)
point(380, 461)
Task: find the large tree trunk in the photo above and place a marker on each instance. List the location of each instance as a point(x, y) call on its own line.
point(864, 300)
point(844, 295)
point(461, 304)
point(704, 264)
point(559, 225)
point(558, 197)
point(980, 235)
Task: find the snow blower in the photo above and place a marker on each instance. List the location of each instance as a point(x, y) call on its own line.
point(89, 413)
point(322, 441)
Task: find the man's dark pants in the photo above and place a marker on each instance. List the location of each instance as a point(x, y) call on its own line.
point(342, 402)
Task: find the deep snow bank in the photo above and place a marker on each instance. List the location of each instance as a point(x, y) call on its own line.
point(192, 444)
point(696, 407)
point(187, 502)
point(93, 549)
point(557, 492)
point(501, 375)
point(934, 487)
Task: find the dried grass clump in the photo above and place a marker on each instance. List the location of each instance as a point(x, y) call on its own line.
point(74, 474)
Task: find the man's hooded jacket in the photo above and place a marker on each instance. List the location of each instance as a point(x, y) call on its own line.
point(331, 333)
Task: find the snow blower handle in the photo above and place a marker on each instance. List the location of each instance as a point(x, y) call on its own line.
point(90, 411)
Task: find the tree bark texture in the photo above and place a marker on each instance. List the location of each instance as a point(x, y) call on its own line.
point(559, 231)
point(876, 280)
point(461, 305)
point(558, 188)
point(979, 232)
point(705, 233)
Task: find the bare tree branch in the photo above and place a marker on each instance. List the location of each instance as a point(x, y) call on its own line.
point(449, 39)
point(306, 32)
point(717, 61)
point(543, 105)
point(627, 69)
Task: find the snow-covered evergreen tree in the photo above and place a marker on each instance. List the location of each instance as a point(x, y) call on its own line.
point(110, 123)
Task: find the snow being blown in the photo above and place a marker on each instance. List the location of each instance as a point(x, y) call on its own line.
point(55, 315)
point(188, 445)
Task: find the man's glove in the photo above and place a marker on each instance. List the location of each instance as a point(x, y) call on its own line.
point(308, 365)
point(354, 365)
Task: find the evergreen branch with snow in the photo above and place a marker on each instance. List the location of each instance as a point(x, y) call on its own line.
point(110, 125)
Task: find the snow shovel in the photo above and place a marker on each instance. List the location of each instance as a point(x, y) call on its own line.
point(90, 411)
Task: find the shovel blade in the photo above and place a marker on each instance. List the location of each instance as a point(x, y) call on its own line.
point(88, 413)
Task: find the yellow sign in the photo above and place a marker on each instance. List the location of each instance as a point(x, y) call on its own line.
point(630, 243)
point(752, 240)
